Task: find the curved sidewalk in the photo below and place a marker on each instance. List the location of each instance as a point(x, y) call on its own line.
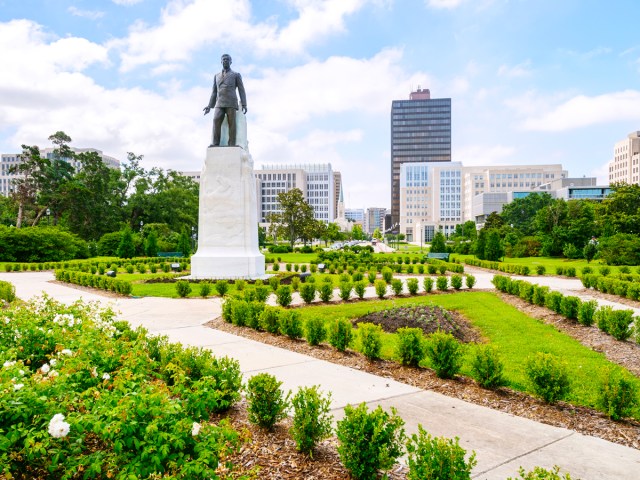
point(502, 442)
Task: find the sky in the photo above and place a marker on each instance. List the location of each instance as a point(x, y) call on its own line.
point(531, 81)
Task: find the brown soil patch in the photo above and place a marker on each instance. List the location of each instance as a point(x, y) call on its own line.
point(579, 419)
point(272, 455)
point(428, 318)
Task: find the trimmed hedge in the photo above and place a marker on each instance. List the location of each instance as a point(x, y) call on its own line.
point(122, 287)
point(40, 244)
point(501, 267)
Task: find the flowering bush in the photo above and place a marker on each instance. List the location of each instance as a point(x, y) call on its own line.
point(84, 395)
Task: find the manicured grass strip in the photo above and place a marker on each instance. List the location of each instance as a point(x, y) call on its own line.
point(291, 257)
point(515, 334)
point(550, 263)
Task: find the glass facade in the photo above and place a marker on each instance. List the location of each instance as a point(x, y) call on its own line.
point(420, 132)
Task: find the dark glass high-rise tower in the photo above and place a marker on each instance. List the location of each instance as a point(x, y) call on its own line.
point(420, 132)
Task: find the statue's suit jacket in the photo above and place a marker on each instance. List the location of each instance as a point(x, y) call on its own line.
point(224, 90)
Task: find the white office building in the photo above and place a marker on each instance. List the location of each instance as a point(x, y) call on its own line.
point(440, 195)
point(316, 181)
point(625, 165)
point(430, 199)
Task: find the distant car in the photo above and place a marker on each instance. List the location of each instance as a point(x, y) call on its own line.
point(374, 242)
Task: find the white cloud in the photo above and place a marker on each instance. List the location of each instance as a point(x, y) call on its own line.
point(185, 27)
point(45, 89)
point(316, 19)
point(90, 14)
point(589, 54)
point(517, 71)
point(582, 111)
point(444, 3)
point(286, 99)
point(126, 2)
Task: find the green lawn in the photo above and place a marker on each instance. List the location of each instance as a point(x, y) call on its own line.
point(515, 334)
point(550, 263)
point(292, 257)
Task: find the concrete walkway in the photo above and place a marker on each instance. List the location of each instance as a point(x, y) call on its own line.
point(502, 442)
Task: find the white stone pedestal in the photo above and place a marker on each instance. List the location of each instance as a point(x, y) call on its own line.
point(228, 218)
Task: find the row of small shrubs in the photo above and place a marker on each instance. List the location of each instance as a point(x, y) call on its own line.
point(369, 441)
point(568, 271)
point(617, 323)
point(450, 266)
point(613, 285)
point(258, 291)
point(338, 262)
point(141, 265)
point(123, 287)
point(7, 291)
point(324, 290)
point(505, 267)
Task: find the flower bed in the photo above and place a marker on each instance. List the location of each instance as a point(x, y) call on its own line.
point(85, 396)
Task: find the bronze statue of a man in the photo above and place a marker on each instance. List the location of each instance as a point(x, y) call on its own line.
point(225, 102)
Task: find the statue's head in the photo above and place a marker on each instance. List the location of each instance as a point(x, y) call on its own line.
point(226, 60)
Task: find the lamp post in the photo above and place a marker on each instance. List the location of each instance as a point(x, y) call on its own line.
point(419, 232)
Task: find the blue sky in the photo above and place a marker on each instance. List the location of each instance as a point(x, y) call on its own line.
point(531, 81)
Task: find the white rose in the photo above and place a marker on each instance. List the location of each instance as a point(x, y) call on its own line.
point(195, 429)
point(18, 386)
point(45, 368)
point(58, 428)
point(106, 376)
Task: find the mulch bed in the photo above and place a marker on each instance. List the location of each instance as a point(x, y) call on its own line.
point(272, 455)
point(428, 318)
point(580, 419)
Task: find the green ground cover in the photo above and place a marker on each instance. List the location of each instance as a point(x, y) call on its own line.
point(291, 257)
point(516, 335)
point(550, 263)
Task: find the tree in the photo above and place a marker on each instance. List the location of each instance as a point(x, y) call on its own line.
point(620, 249)
point(8, 210)
point(262, 236)
point(93, 198)
point(41, 185)
point(620, 211)
point(438, 243)
point(493, 250)
point(550, 223)
point(126, 249)
point(184, 243)
point(357, 233)
point(295, 216)
point(481, 243)
point(151, 244)
point(590, 249)
point(520, 211)
point(25, 187)
point(469, 230)
point(331, 233)
point(377, 234)
point(494, 220)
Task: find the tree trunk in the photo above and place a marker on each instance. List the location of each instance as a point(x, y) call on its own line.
point(20, 214)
